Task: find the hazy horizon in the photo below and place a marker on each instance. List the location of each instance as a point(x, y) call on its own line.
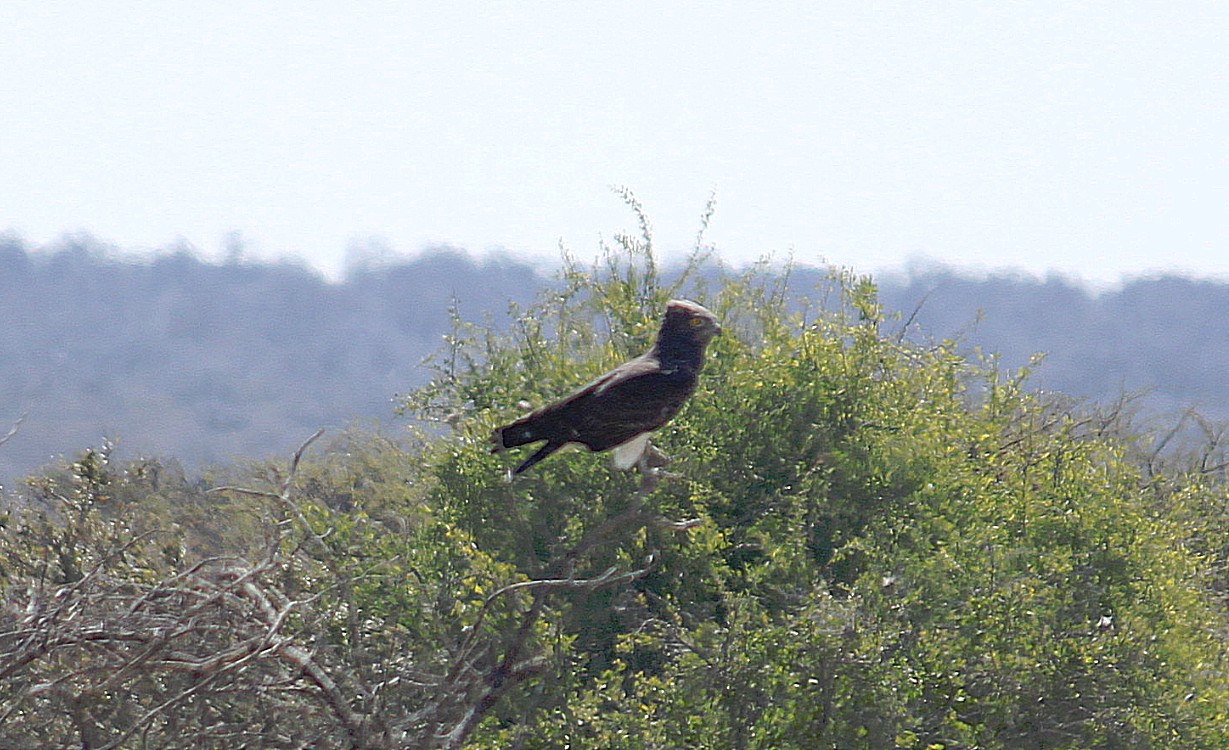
point(380, 254)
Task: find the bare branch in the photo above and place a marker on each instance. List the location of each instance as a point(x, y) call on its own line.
point(298, 456)
point(227, 651)
point(12, 430)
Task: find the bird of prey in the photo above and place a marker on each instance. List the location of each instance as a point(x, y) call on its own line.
point(619, 409)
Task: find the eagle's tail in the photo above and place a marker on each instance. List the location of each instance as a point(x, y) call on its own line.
point(527, 429)
point(520, 432)
point(537, 456)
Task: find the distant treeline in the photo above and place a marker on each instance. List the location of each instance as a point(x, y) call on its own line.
point(207, 362)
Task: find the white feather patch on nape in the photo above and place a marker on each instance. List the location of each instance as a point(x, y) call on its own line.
point(625, 455)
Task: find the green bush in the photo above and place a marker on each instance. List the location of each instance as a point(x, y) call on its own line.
point(896, 546)
point(868, 544)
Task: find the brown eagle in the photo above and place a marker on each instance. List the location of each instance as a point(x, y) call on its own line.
point(621, 408)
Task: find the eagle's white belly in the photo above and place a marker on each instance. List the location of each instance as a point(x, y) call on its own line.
point(625, 455)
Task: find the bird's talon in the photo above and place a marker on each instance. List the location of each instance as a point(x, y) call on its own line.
point(654, 458)
point(684, 525)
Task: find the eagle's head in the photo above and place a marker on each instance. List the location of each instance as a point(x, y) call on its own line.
point(687, 321)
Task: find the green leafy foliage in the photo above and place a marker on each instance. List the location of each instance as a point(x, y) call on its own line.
point(866, 544)
point(896, 547)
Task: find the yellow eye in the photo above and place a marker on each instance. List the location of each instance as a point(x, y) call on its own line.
point(695, 322)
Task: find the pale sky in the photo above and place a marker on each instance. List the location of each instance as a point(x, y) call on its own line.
point(1086, 138)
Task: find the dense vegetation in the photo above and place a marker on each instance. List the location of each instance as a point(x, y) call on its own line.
point(208, 362)
point(870, 543)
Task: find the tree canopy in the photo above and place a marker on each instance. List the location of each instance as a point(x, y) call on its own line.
point(869, 543)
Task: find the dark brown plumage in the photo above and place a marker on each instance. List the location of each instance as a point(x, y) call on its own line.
point(620, 409)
